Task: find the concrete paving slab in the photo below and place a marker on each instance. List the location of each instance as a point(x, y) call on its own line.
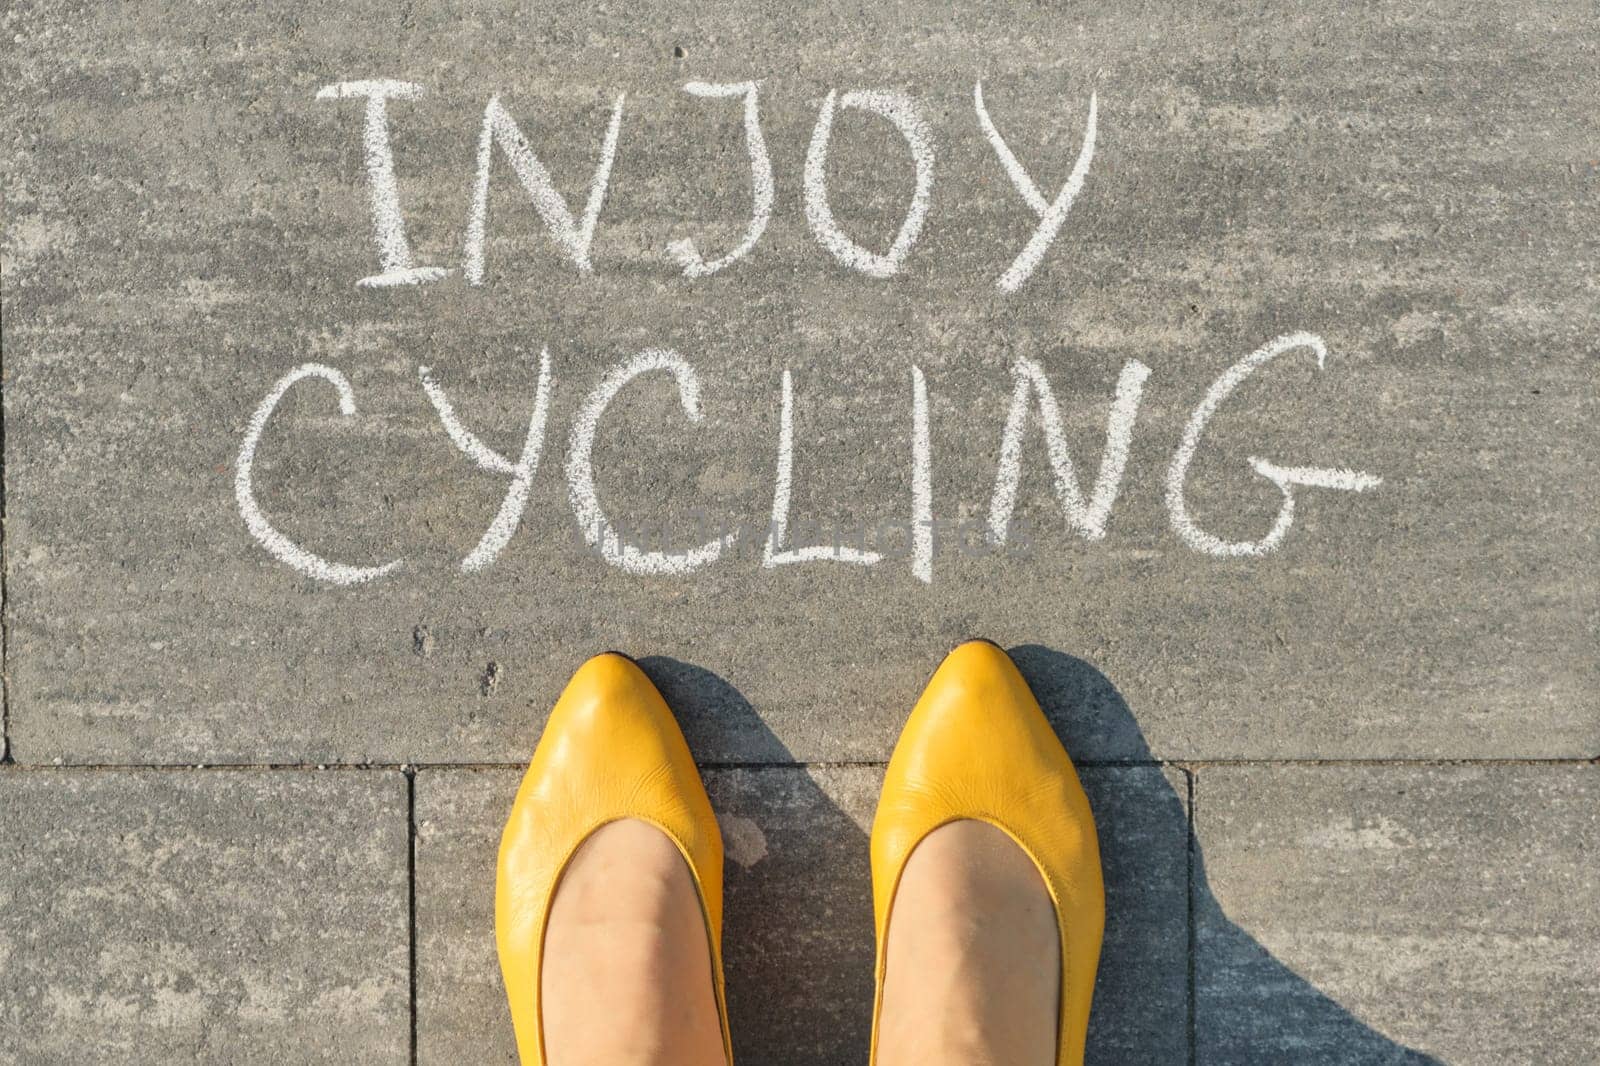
point(1398, 914)
point(187, 221)
point(798, 939)
point(461, 1001)
point(241, 917)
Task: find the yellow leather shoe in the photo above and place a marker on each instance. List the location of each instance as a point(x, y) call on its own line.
point(611, 750)
point(978, 747)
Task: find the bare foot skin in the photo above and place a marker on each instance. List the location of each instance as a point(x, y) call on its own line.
point(973, 965)
point(626, 978)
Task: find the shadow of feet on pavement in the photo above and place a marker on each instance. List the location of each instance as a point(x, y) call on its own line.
point(1250, 1007)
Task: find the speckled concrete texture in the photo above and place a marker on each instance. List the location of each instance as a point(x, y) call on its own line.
point(1454, 908)
point(203, 916)
point(186, 222)
point(1388, 724)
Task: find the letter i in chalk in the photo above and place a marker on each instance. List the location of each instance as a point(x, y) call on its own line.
point(388, 225)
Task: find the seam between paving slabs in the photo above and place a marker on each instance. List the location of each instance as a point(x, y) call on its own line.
point(1191, 1026)
point(5, 599)
point(411, 901)
point(409, 768)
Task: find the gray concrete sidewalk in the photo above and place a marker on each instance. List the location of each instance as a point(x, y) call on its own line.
point(1347, 787)
point(1318, 914)
point(187, 222)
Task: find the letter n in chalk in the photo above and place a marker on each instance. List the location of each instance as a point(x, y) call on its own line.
point(1087, 517)
point(572, 236)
